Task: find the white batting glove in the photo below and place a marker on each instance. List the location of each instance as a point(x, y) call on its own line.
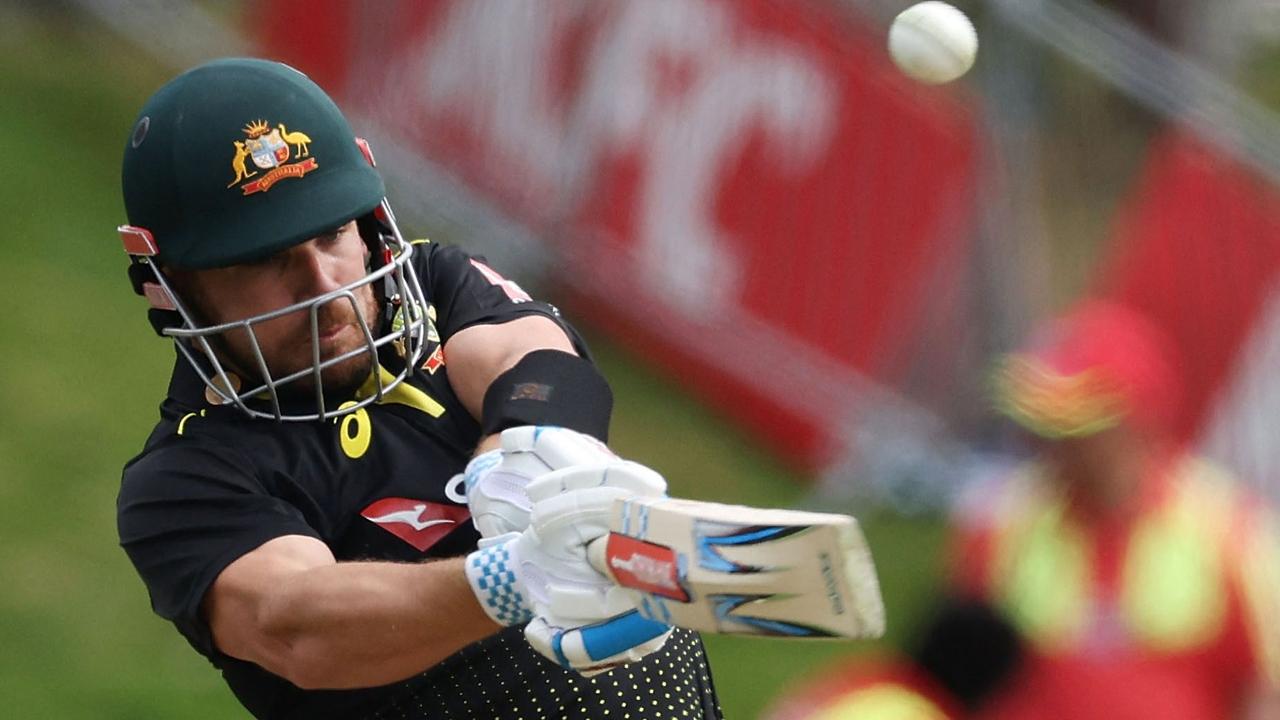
point(589, 626)
point(495, 481)
point(544, 569)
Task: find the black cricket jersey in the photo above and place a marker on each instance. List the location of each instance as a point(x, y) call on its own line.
point(212, 484)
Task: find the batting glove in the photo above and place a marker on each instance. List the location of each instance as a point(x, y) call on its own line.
point(544, 570)
point(495, 481)
point(579, 625)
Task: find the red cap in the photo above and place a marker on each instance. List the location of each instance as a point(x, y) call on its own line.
point(1101, 363)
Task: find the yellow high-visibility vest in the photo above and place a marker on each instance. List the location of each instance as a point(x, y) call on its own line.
point(882, 702)
point(1173, 590)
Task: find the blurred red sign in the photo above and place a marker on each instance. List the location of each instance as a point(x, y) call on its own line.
point(1198, 248)
point(747, 191)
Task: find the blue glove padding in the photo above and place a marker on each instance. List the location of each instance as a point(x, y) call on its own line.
point(600, 646)
point(496, 579)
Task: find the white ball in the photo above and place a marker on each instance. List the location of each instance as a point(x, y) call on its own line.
point(933, 42)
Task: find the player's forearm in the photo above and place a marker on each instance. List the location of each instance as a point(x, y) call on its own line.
point(479, 354)
point(487, 443)
point(352, 625)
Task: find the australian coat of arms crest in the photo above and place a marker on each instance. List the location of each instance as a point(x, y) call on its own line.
point(276, 151)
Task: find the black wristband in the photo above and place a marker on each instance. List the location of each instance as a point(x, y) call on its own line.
point(549, 387)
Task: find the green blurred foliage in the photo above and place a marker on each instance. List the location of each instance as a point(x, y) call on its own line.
point(83, 375)
point(1260, 74)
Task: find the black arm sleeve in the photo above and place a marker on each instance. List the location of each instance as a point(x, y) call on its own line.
point(186, 511)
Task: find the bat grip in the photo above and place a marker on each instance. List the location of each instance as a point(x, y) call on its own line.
point(596, 556)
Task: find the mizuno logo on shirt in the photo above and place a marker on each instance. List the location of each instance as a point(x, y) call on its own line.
point(420, 523)
point(412, 518)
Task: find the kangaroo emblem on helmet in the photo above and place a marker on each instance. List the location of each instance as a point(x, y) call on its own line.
point(237, 164)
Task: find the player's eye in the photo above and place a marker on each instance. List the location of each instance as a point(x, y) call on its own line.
point(332, 236)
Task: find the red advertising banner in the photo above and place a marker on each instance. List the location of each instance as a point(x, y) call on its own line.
point(1198, 248)
point(744, 191)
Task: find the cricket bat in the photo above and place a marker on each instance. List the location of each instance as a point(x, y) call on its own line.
point(741, 570)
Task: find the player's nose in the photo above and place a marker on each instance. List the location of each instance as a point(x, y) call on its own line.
point(316, 271)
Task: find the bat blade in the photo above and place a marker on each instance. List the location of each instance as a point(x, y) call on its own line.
point(742, 570)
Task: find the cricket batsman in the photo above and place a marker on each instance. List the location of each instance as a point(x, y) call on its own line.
point(378, 463)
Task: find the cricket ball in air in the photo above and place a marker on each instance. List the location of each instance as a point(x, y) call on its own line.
point(933, 42)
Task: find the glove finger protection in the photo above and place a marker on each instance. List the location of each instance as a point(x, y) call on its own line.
point(495, 481)
point(596, 647)
point(631, 478)
point(573, 507)
point(564, 526)
point(556, 447)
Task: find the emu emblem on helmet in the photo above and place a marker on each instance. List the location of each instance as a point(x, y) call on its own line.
point(270, 148)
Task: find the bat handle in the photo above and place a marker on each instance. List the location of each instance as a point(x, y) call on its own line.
point(643, 625)
point(597, 556)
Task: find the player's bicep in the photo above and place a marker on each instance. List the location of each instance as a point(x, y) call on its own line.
point(234, 605)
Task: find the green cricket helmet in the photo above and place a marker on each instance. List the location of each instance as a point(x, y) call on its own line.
point(232, 162)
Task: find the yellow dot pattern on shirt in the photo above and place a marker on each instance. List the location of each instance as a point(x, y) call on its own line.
point(504, 679)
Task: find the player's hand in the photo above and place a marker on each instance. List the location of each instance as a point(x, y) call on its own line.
point(495, 481)
point(589, 626)
point(596, 647)
point(544, 570)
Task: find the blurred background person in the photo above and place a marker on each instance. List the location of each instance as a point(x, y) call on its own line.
point(1142, 577)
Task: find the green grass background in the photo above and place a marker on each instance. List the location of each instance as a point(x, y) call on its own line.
point(82, 375)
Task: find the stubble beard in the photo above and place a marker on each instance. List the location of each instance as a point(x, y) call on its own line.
point(295, 353)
